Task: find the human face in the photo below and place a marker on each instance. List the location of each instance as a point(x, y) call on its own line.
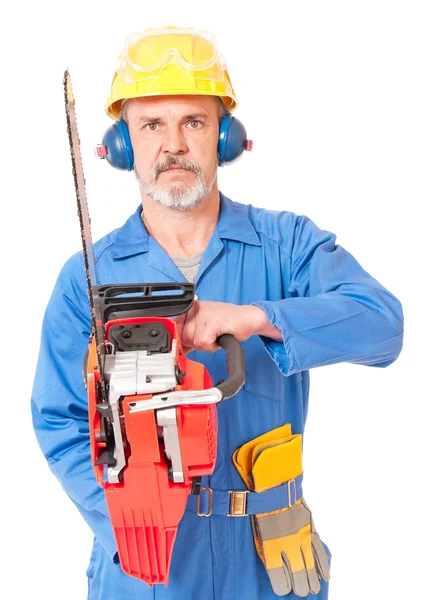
point(174, 139)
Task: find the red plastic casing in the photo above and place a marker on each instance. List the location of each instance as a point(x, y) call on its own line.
point(146, 506)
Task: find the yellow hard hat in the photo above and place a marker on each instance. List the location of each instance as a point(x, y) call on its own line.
point(168, 61)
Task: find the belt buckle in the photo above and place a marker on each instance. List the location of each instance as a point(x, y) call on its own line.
point(289, 492)
point(210, 502)
point(237, 504)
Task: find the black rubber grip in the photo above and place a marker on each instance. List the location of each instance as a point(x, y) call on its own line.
point(128, 300)
point(235, 365)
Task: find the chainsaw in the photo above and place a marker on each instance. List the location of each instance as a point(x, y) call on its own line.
point(152, 411)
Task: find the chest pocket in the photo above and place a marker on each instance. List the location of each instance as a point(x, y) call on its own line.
point(263, 376)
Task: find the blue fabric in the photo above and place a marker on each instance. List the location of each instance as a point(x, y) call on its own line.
point(267, 501)
point(326, 306)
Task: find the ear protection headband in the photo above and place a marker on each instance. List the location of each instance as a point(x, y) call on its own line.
point(117, 149)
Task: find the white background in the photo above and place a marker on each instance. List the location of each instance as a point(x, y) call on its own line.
point(334, 95)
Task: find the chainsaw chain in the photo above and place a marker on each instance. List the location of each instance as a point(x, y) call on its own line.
point(97, 329)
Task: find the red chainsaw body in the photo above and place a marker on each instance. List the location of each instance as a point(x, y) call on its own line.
point(146, 506)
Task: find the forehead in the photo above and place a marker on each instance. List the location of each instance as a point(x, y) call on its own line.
point(172, 105)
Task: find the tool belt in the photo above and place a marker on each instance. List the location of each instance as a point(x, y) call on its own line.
point(245, 503)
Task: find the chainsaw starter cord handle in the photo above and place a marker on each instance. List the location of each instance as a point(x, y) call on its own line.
point(235, 365)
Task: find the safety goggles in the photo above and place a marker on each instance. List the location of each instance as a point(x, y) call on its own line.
point(147, 53)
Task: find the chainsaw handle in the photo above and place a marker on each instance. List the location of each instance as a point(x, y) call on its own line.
point(235, 366)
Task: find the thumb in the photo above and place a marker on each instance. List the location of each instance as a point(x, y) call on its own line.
point(180, 320)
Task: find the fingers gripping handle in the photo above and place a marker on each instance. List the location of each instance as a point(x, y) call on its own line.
point(235, 366)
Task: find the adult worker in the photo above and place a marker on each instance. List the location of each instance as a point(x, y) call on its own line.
point(282, 286)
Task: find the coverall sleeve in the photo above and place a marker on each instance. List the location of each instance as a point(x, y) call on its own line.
point(59, 400)
point(333, 311)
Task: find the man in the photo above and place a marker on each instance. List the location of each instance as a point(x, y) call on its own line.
point(274, 280)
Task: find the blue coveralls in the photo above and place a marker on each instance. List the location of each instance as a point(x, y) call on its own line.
point(328, 310)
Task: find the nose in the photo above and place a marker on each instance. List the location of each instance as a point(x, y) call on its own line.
point(174, 141)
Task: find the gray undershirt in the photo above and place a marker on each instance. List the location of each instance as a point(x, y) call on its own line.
point(188, 266)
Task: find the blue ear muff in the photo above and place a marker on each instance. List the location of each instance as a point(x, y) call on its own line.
point(119, 148)
point(116, 146)
point(232, 140)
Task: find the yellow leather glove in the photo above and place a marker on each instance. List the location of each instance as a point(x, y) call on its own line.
point(286, 540)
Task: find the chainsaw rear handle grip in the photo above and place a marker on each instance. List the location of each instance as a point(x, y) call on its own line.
point(235, 365)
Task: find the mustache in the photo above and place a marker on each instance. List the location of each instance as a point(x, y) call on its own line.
point(175, 161)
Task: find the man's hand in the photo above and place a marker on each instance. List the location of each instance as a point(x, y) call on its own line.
point(200, 326)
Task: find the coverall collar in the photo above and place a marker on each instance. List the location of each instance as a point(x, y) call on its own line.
point(233, 224)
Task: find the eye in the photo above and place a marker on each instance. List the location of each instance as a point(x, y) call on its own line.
point(195, 123)
point(151, 126)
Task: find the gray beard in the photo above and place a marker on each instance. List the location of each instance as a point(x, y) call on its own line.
point(179, 198)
